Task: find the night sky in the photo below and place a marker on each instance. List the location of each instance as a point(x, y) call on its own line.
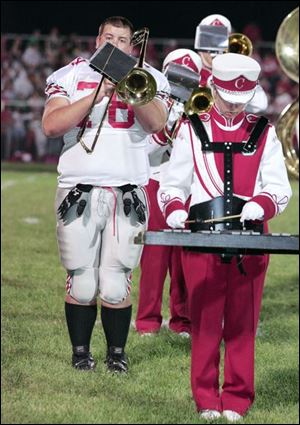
point(174, 19)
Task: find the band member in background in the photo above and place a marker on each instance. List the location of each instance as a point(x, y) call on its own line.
point(95, 226)
point(218, 163)
point(156, 261)
point(209, 47)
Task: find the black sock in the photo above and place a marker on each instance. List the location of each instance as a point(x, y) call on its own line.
point(80, 321)
point(116, 323)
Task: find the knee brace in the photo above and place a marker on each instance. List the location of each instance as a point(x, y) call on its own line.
point(115, 287)
point(83, 284)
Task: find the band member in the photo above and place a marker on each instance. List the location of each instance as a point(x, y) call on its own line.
point(156, 261)
point(100, 203)
point(226, 172)
point(208, 47)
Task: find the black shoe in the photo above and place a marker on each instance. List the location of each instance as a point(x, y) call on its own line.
point(116, 360)
point(82, 359)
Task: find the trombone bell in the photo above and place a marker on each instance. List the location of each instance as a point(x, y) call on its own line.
point(139, 86)
point(240, 43)
point(201, 101)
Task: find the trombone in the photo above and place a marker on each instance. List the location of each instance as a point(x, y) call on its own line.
point(240, 43)
point(137, 88)
point(200, 101)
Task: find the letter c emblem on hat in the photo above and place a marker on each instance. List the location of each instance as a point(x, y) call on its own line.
point(186, 60)
point(240, 83)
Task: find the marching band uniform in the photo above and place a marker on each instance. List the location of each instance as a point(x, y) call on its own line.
point(224, 301)
point(259, 102)
point(156, 261)
point(207, 49)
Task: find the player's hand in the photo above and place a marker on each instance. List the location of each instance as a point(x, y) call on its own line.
point(109, 87)
point(176, 219)
point(252, 211)
point(106, 90)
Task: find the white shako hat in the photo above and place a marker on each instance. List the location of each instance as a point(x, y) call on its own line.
point(184, 57)
point(217, 20)
point(235, 77)
point(212, 34)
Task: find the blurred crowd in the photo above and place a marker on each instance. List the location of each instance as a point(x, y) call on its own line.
point(27, 61)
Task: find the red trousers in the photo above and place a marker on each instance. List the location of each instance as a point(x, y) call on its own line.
point(155, 263)
point(224, 305)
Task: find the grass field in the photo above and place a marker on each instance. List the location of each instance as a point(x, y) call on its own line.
point(38, 384)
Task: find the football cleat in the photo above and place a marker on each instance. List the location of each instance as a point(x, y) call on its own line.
point(116, 360)
point(82, 359)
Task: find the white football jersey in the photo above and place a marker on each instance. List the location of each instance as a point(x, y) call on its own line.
point(120, 155)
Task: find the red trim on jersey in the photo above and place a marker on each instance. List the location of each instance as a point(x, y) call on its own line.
point(77, 61)
point(53, 88)
point(81, 85)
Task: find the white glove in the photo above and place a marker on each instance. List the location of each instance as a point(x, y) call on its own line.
point(177, 218)
point(252, 211)
point(175, 113)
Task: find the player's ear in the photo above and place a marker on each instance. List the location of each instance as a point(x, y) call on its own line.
point(97, 41)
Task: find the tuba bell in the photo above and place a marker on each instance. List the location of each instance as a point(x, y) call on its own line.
point(287, 52)
point(139, 86)
point(240, 43)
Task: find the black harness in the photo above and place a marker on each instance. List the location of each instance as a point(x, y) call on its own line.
point(228, 149)
point(229, 202)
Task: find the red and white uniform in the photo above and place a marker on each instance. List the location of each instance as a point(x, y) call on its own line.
point(217, 292)
point(157, 261)
point(258, 103)
point(120, 155)
point(97, 248)
point(265, 180)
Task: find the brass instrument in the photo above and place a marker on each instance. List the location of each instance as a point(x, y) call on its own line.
point(139, 86)
point(240, 43)
point(170, 137)
point(200, 101)
point(287, 52)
